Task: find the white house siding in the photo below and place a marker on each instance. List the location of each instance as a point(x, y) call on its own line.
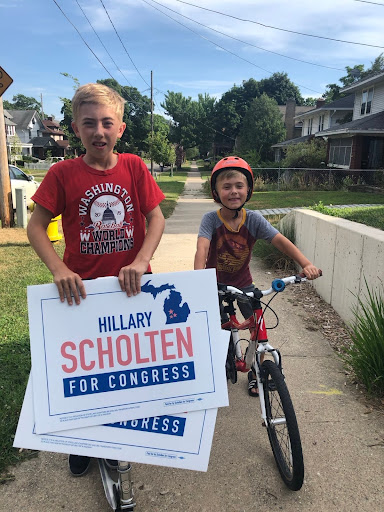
point(377, 101)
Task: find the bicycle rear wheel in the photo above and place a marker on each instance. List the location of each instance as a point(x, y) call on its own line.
point(283, 431)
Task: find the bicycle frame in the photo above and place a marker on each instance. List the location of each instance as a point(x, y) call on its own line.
point(258, 330)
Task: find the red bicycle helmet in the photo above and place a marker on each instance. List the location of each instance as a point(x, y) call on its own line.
point(231, 162)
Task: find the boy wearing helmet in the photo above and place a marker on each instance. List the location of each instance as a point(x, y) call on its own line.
point(226, 236)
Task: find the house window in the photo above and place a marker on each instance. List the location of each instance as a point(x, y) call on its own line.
point(340, 152)
point(310, 123)
point(366, 101)
point(321, 123)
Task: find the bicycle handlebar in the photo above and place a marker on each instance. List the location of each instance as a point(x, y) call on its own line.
point(278, 285)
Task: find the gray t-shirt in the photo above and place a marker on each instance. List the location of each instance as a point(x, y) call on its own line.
point(230, 251)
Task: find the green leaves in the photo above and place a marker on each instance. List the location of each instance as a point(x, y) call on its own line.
point(366, 354)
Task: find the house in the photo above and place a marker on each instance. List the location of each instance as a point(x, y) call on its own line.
point(33, 135)
point(314, 120)
point(359, 144)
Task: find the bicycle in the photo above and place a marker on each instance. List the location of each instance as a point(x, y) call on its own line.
point(277, 410)
point(118, 488)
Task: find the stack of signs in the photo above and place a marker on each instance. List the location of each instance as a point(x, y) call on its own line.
point(128, 378)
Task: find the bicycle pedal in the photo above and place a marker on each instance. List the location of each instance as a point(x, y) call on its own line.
point(241, 366)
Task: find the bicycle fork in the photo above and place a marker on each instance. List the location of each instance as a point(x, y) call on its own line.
point(263, 347)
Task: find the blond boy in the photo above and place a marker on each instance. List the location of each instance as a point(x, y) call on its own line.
point(105, 200)
point(226, 237)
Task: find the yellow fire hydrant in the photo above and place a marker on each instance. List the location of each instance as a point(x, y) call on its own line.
point(53, 230)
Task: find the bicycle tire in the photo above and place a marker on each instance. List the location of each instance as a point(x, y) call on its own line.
point(230, 365)
point(284, 436)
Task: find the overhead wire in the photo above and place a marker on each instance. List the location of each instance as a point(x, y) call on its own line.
point(218, 45)
point(246, 42)
point(140, 107)
point(82, 38)
point(126, 51)
point(110, 56)
point(366, 2)
point(279, 28)
point(101, 42)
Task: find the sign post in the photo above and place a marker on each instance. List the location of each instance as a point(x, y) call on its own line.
point(6, 209)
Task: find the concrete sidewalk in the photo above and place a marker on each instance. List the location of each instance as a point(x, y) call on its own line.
point(343, 439)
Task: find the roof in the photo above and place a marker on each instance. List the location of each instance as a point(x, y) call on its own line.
point(7, 118)
point(22, 117)
point(52, 127)
point(370, 80)
point(345, 103)
point(368, 124)
point(43, 142)
point(290, 142)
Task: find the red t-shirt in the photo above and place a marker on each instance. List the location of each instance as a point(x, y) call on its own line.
point(103, 212)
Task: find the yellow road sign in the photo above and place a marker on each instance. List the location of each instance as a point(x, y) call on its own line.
point(5, 81)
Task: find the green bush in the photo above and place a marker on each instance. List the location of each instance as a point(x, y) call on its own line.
point(365, 356)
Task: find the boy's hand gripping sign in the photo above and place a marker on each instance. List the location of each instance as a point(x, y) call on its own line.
point(116, 358)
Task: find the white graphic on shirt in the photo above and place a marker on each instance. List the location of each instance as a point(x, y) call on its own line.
point(106, 221)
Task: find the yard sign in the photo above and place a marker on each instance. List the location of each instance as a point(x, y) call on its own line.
point(116, 358)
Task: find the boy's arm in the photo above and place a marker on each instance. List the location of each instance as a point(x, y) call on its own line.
point(289, 249)
point(130, 276)
point(201, 252)
point(68, 283)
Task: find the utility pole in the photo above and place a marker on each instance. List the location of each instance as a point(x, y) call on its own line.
point(6, 208)
point(42, 108)
point(151, 120)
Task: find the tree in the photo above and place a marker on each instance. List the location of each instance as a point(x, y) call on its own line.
point(160, 124)
point(15, 149)
point(262, 127)
point(192, 121)
point(309, 102)
point(21, 102)
point(353, 75)
point(280, 88)
point(233, 106)
point(160, 150)
point(310, 154)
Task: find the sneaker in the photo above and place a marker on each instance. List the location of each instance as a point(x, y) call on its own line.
point(78, 464)
point(112, 464)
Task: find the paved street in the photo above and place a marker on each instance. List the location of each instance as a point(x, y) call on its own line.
point(343, 439)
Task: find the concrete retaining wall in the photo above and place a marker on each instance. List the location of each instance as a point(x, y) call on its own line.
point(348, 253)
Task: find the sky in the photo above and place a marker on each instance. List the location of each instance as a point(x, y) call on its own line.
point(127, 39)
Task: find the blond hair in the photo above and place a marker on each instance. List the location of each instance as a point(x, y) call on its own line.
point(97, 94)
point(230, 173)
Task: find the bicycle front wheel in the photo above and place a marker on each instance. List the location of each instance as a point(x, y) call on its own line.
point(283, 431)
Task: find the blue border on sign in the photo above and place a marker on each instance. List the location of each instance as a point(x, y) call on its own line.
point(129, 444)
point(111, 407)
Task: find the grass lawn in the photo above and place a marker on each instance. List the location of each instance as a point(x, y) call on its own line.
point(370, 216)
point(19, 267)
point(172, 188)
point(290, 199)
